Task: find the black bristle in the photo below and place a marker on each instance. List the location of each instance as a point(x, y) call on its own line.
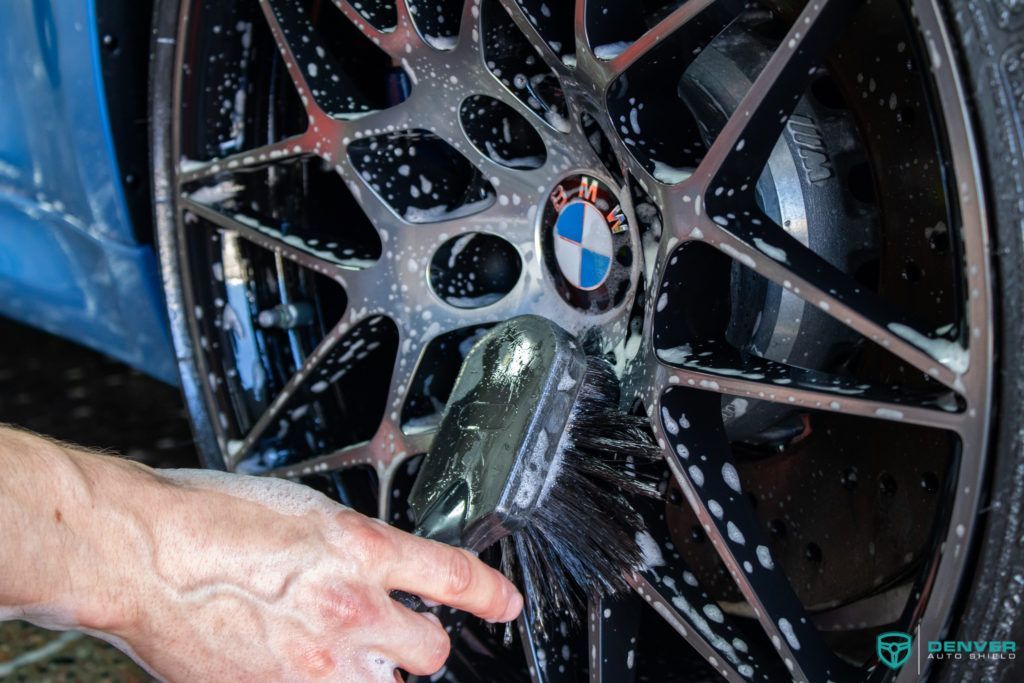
point(581, 541)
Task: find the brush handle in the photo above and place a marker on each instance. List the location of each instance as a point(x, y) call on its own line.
point(409, 600)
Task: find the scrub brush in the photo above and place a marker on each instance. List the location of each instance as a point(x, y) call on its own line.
point(533, 451)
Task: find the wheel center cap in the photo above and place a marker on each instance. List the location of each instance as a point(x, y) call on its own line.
point(583, 245)
point(586, 242)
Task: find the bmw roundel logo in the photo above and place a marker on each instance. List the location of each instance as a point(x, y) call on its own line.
point(587, 242)
point(583, 245)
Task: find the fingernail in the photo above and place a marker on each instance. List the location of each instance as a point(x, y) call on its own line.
point(515, 606)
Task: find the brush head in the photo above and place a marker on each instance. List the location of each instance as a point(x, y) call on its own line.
point(492, 460)
point(532, 444)
point(583, 542)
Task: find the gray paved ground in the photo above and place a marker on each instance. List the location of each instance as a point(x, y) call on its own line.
point(57, 388)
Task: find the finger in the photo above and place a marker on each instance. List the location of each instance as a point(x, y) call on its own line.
point(454, 577)
point(415, 642)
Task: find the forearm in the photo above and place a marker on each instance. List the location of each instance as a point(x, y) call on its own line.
point(215, 577)
point(60, 520)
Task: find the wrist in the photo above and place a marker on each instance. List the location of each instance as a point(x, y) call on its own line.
point(111, 512)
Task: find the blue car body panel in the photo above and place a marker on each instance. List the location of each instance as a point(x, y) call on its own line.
point(69, 261)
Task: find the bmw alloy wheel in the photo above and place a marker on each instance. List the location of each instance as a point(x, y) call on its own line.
point(770, 216)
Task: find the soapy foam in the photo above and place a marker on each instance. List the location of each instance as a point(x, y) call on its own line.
point(280, 495)
point(380, 668)
point(650, 549)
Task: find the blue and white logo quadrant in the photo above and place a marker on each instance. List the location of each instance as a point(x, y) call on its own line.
point(569, 225)
point(583, 245)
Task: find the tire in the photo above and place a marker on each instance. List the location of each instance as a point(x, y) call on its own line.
point(973, 596)
point(989, 39)
point(162, 61)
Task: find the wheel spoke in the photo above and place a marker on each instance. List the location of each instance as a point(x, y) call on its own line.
point(546, 652)
point(365, 453)
point(742, 148)
point(614, 626)
point(273, 240)
point(401, 116)
point(312, 380)
point(410, 356)
point(393, 188)
point(341, 459)
point(460, 220)
point(286, 149)
point(389, 445)
point(530, 650)
point(704, 468)
point(735, 374)
point(759, 244)
point(677, 595)
point(392, 41)
point(323, 85)
point(678, 18)
point(678, 601)
point(534, 37)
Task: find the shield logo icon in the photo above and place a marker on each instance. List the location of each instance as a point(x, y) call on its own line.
point(893, 648)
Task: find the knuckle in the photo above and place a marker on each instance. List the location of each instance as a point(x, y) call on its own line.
point(312, 661)
point(369, 615)
point(458, 574)
point(347, 609)
point(341, 608)
point(372, 541)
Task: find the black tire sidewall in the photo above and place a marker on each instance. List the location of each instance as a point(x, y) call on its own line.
point(988, 34)
point(162, 79)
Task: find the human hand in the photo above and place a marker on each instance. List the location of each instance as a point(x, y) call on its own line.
point(242, 579)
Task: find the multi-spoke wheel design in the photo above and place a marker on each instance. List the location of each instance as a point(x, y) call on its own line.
point(789, 272)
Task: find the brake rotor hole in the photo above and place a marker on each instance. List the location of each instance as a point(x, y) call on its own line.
point(849, 478)
point(912, 272)
point(887, 484)
point(938, 237)
point(906, 116)
point(675, 496)
point(826, 93)
point(812, 552)
point(860, 183)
